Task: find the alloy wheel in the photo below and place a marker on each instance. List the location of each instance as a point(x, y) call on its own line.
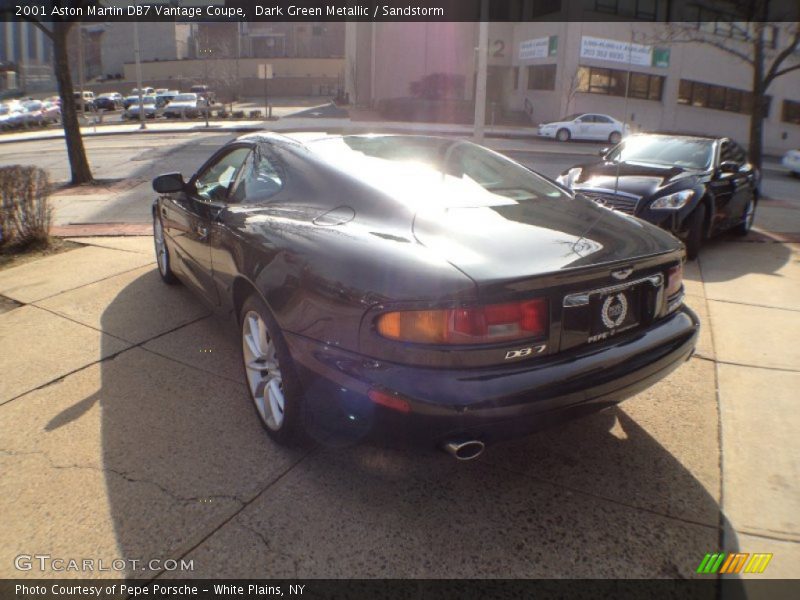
point(263, 371)
point(161, 248)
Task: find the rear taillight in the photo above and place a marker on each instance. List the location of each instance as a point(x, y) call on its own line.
point(674, 280)
point(471, 325)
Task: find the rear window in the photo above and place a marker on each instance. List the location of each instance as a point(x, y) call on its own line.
point(449, 172)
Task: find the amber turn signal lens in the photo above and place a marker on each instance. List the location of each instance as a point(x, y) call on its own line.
point(470, 325)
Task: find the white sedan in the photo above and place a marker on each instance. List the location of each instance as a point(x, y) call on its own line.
point(791, 160)
point(585, 126)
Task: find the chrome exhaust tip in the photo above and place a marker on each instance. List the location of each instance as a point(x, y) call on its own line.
point(468, 450)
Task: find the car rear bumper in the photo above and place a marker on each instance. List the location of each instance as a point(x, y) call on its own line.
point(489, 404)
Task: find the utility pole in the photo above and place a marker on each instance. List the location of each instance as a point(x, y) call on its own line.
point(137, 57)
point(80, 69)
point(206, 52)
point(480, 82)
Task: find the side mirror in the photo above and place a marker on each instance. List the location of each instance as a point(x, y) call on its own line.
point(728, 166)
point(602, 153)
point(169, 183)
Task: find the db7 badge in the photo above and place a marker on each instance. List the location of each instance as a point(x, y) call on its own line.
point(525, 351)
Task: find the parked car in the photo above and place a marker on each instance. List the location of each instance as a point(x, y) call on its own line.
point(88, 100)
point(109, 101)
point(693, 186)
point(31, 113)
point(149, 106)
point(791, 161)
point(163, 98)
point(8, 113)
point(129, 100)
point(51, 112)
point(420, 287)
point(204, 93)
point(585, 126)
point(147, 91)
point(188, 105)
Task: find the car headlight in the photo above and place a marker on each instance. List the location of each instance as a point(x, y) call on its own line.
point(673, 201)
point(568, 179)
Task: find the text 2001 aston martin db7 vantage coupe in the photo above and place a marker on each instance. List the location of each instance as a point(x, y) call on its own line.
point(420, 288)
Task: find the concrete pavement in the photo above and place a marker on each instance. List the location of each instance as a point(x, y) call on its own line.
point(127, 433)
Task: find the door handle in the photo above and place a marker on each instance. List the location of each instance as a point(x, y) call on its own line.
point(201, 231)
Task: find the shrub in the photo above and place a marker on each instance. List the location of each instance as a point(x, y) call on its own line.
point(24, 210)
point(238, 114)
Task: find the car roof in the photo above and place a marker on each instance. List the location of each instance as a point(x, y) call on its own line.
point(682, 135)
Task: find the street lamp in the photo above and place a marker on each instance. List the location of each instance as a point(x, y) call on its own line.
point(206, 53)
point(136, 55)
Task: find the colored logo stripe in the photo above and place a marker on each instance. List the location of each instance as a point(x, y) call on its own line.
point(735, 561)
point(758, 562)
point(711, 563)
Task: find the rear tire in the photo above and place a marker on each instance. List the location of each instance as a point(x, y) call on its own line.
point(270, 375)
point(748, 217)
point(694, 236)
point(615, 137)
point(563, 135)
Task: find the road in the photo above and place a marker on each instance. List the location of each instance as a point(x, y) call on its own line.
point(125, 164)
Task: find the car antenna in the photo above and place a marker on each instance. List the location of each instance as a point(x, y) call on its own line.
point(625, 109)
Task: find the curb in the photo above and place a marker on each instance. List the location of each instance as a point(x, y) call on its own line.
point(48, 138)
point(101, 230)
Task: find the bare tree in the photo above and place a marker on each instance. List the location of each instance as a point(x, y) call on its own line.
point(572, 89)
point(354, 82)
point(57, 30)
point(749, 42)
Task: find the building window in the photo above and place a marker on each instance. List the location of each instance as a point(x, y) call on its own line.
point(542, 77)
point(643, 10)
point(724, 24)
point(515, 78)
point(791, 112)
point(612, 82)
point(718, 97)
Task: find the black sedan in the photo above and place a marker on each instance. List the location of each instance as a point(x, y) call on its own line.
point(420, 288)
point(693, 186)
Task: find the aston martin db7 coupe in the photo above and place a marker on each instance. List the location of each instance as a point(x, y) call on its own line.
point(420, 288)
point(693, 186)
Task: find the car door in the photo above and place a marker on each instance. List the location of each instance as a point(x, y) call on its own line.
point(723, 186)
point(745, 182)
point(583, 127)
point(261, 181)
point(188, 217)
point(603, 126)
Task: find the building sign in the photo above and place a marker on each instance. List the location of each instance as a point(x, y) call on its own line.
point(624, 52)
point(538, 48)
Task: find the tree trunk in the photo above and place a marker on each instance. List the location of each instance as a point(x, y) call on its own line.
point(756, 142)
point(81, 173)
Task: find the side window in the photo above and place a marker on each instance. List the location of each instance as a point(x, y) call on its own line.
point(262, 177)
point(213, 183)
point(601, 119)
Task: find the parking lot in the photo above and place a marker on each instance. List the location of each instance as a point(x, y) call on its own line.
point(129, 434)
